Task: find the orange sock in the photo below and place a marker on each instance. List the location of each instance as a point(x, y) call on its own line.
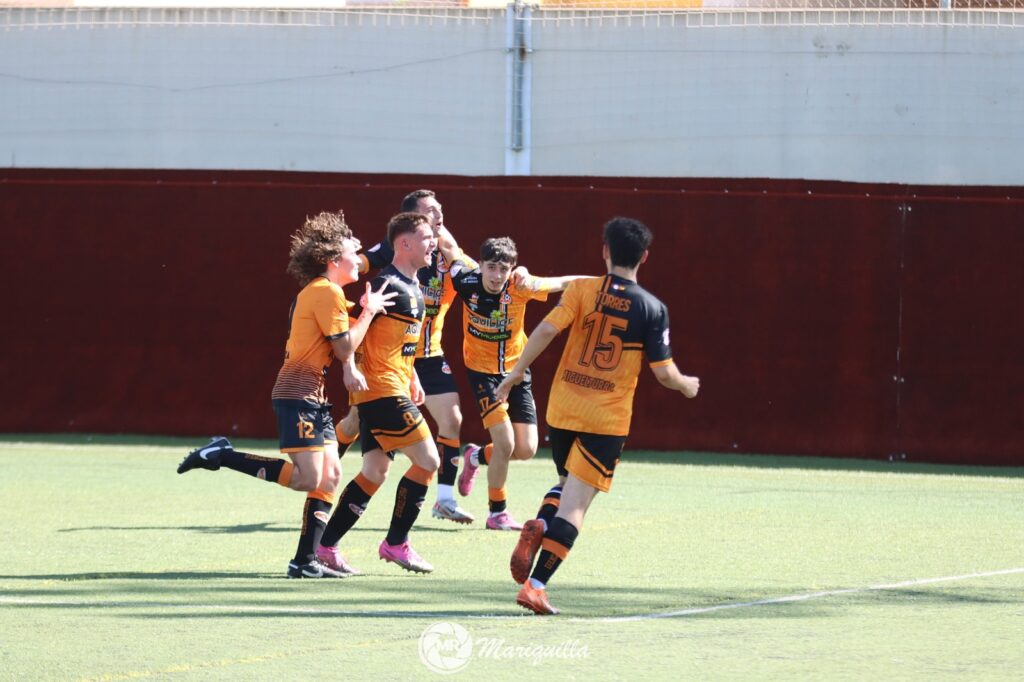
point(496, 498)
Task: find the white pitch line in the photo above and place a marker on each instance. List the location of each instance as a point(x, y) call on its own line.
point(810, 595)
point(435, 615)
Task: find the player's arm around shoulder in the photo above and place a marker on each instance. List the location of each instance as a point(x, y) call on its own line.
point(450, 248)
point(540, 287)
point(670, 377)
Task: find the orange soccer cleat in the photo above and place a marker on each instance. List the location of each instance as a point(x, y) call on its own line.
point(535, 600)
point(526, 550)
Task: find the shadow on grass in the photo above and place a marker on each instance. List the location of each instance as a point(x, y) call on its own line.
point(125, 575)
point(244, 529)
point(396, 595)
point(710, 459)
point(241, 529)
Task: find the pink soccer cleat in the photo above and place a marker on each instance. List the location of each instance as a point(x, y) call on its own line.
point(469, 470)
point(503, 521)
point(332, 558)
point(405, 556)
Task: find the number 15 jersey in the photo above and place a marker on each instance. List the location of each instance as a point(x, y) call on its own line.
point(614, 324)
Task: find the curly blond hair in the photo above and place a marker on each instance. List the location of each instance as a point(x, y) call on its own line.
point(320, 239)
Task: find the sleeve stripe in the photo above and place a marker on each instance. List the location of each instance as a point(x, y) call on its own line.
point(662, 363)
point(335, 337)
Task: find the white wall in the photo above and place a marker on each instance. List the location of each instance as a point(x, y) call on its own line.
point(425, 93)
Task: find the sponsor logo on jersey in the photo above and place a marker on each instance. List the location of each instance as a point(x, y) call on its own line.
point(664, 337)
point(408, 349)
point(496, 321)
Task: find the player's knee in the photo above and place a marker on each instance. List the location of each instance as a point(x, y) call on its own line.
point(332, 478)
point(350, 422)
point(305, 480)
point(431, 462)
point(523, 452)
point(377, 472)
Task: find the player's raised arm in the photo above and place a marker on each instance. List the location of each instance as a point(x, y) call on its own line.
point(670, 377)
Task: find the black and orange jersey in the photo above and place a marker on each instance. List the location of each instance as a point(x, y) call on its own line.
point(436, 286)
point(613, 324)
point(319, 315)
point(389, 348)
point(494, 335)
point(377, 257)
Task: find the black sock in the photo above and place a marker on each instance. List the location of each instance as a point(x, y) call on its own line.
point(314, 520)
point(549, 507)
point(408, 499)
point(264, 468)
point(449, 450)
point(554, 549)
point(350, 507)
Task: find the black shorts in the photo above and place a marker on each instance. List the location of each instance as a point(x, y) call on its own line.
point(390, 424)
point(302, 425)
point(435, 375)
point(590, 457)
point(520, 408)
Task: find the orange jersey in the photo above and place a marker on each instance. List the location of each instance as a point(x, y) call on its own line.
point(494, 323)
point(435, 285)
point(613, 325)
point(318, 316)
point(389, 348)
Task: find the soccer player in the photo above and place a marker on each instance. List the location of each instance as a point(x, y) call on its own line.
point(613, 325)
point(494, 311)
point(442, 394)
point(323, 259)
point(388, 417)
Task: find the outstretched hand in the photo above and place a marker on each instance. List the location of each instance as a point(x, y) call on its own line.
point(505, 387)
point(375, 302)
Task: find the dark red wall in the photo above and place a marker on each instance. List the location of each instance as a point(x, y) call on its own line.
point(822, 318)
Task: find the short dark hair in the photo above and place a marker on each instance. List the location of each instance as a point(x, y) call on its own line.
point(499, 250)
point(627, 239)
point(412, 200)
point(405, 223)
